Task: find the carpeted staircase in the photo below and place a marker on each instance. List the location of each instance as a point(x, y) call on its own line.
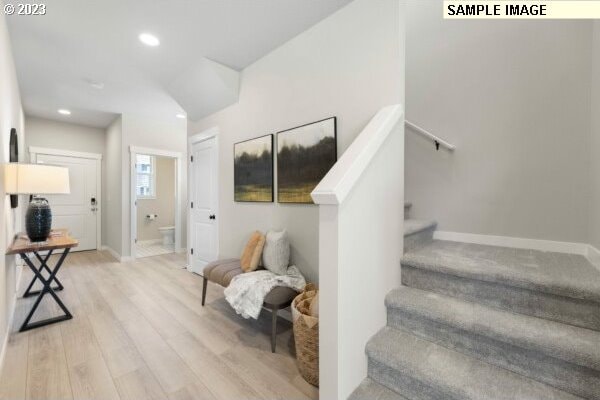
point(416, 232)
point(482, 322)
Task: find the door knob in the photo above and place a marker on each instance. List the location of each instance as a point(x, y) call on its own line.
point(212, 216)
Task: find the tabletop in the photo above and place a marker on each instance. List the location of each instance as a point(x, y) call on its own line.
point(58, 239)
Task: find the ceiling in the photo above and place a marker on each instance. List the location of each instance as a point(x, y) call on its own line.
point(79, 42)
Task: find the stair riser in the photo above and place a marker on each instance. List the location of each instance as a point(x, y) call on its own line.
point(566, 376)
point(418, 240)
point(402, 383)
point(576, 312)
point(370, 390)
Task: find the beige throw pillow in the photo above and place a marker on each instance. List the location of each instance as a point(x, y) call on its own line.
point(276, 254)
point(252, 252)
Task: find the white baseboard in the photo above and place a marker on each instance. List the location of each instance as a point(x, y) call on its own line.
point(19, 274)
point(116, 255)
point(113, 253)
point(519, 243)
point(285, 314)
point(4, 346)
point(8, 328)
point(593, 254)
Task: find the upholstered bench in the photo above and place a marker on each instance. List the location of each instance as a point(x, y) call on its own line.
point(222, 272)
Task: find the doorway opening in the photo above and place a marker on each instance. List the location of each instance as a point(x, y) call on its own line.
point(80, 211)
point(203, 193)
point(155, 198)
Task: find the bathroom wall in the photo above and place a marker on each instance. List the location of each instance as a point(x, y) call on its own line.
point(159, 132)
point(163, 204)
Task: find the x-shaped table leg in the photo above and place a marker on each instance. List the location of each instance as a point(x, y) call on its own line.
point(46, 289)
point(43, 266)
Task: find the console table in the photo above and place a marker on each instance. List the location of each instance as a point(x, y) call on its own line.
point(59, 239)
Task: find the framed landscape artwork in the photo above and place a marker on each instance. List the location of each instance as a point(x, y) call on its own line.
point(253, 170)
point(304, 155)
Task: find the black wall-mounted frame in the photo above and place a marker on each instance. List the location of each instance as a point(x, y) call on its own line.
point(14, 157)
point(303, 195)
point(260, 183)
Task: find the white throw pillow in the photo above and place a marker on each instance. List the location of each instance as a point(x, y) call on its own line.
point(276, 253)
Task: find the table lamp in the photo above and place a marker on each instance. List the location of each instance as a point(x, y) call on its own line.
point(36, 179)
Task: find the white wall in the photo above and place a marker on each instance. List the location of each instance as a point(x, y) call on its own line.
point(128, 130)
point(595, 141)
point(369, 259)
point(346, 66)
point(113, 143)
point(360, 246)
point(163, 133)
point(111, 214)
point(11, 116)
point(513, 96)
point(43, 132)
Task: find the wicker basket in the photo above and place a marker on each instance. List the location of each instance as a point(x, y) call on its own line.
point(306, 335)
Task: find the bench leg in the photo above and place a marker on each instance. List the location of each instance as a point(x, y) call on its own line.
point(204, 283)
point(273, 329)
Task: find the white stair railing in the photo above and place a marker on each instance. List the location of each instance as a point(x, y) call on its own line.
point(360, 245)
point(436, 140)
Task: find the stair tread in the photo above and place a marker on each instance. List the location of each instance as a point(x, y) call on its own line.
point(371, 390)
point(457, 374)
point(566, 342)
point(413, 226)
point(568, 275)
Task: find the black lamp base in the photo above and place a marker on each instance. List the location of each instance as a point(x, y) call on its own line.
point(38, 220)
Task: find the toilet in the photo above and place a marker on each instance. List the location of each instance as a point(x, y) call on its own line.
point(168, 235)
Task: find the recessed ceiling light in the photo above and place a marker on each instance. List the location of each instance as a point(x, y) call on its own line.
point(149, 39)
point(182, 116)
point(64, 111)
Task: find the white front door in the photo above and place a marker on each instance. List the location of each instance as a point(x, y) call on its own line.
point(78, 210)
point(203, 204)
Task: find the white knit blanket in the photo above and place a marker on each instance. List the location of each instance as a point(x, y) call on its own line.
point(246, 292)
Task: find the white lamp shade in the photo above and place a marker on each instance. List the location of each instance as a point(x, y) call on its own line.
point(36, 179)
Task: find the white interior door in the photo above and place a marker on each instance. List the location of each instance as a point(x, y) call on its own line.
point(204, 226)
point(78, 210)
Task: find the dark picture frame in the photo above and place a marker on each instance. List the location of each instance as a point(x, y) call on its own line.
point(305, 154)
point(14, 157)
point(253, 179)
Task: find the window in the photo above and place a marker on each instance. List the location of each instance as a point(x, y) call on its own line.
point(145, 187)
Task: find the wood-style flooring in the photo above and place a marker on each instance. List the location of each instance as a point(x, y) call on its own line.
point(140, 332)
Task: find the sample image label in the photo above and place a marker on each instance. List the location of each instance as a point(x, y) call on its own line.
point(525, 9)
